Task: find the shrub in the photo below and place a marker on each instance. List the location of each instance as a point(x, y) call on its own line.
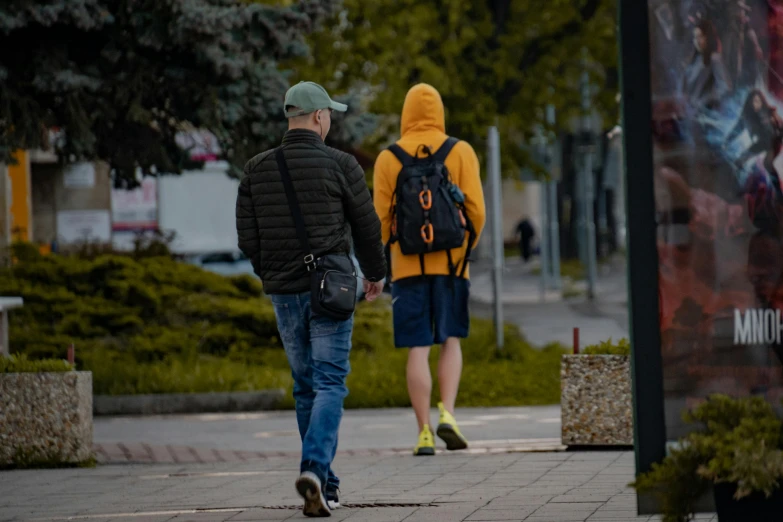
point(621, 347)
point(21, 364)
point(517, 375)
point(740, 442)
point(51, 459)
point(111, 299)
point(155, 325)
point(572, 269)
point(114, 376)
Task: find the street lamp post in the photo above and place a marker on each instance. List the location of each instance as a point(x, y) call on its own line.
point(551, 190)
point(539, 143)
point(588, 182)
point(493, 161)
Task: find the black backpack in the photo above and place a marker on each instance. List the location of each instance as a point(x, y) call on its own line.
point(428, 210)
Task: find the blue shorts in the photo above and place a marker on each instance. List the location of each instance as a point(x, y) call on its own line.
point(428, 310)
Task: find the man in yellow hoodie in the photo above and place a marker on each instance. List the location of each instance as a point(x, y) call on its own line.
point(430, 284)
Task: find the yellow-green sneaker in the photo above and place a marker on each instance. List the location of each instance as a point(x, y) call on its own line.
point(426, 445)
point(449, 432)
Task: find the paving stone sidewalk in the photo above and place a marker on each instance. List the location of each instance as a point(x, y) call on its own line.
point(553, 320)
point(546, 487)
point(231, 437)
point(142, 453)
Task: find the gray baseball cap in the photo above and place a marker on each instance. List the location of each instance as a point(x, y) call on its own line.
point(309, 97)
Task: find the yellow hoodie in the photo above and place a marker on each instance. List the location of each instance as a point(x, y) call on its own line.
point(424, 123)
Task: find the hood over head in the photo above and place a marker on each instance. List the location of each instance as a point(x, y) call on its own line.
point(422, 110)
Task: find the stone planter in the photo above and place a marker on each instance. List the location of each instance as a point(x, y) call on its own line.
point(45, 418)
point(595, 400)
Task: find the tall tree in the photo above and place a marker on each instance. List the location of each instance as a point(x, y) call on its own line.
point(122, 77)
point(490, 59)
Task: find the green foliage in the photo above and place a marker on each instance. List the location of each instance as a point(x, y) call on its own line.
point(488, 59)
point(21, 364)
point(608, 347)
point(676, 482)
point(740, 443)
point(44, 459)
point(123, 78)
point(122, 313)
point(518, 375)
point(573, 268)
point(570, 268)
point(153, 325)
point(178, 374)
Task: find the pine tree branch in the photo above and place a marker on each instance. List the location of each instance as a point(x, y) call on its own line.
point(540, 46)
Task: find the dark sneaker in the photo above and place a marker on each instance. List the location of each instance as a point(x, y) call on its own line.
point(332, 497)
point(309, 487)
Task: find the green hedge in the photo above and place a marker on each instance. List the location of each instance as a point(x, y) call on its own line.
point(21, 364)
point(154, 325)
point(609, 347)
point(518, 375)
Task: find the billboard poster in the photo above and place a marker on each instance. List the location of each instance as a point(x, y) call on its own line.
point(137, 209)
point(716, 86)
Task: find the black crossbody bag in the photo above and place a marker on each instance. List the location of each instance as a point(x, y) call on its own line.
point(332, 276)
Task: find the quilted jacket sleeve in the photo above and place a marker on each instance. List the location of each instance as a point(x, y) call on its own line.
point(365, 225)
point(247, 229)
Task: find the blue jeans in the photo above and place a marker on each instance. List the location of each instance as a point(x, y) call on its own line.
point(317, 349)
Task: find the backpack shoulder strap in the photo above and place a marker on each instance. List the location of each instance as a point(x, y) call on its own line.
point(444, 150)
point(405, 158)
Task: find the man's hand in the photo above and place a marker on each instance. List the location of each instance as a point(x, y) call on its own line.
point(372, 290)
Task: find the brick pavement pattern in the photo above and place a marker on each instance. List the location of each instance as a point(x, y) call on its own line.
point(142, 453)
point(545, 487)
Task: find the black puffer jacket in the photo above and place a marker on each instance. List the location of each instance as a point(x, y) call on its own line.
point(335, 202)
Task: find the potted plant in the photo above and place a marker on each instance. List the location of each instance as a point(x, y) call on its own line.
point(737, 451)
point(595, 396)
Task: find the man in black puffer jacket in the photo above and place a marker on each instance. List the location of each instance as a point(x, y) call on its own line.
point(337, 208)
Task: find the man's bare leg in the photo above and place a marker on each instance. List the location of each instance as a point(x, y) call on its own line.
point(450, 372)
point(420, 384)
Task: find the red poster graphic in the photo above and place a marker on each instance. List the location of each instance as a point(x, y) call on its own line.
point(717, 89)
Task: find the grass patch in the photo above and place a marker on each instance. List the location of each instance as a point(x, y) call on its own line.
point(30, 459)
point(571, 291)
point(21, 364)
point(511, 251)
point(200, 374)
point(516, 376)
point(571, 268)
point(154, 325)
point(609, 347)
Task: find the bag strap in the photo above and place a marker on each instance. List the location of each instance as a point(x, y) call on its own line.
point(296, 212)
point(471, 240)
point(442, 153)
point(404, 158)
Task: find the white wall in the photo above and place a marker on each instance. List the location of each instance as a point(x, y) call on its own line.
point(200, 207)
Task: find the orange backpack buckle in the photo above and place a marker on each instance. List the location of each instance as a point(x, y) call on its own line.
point(427, 233)
point(425, 198)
